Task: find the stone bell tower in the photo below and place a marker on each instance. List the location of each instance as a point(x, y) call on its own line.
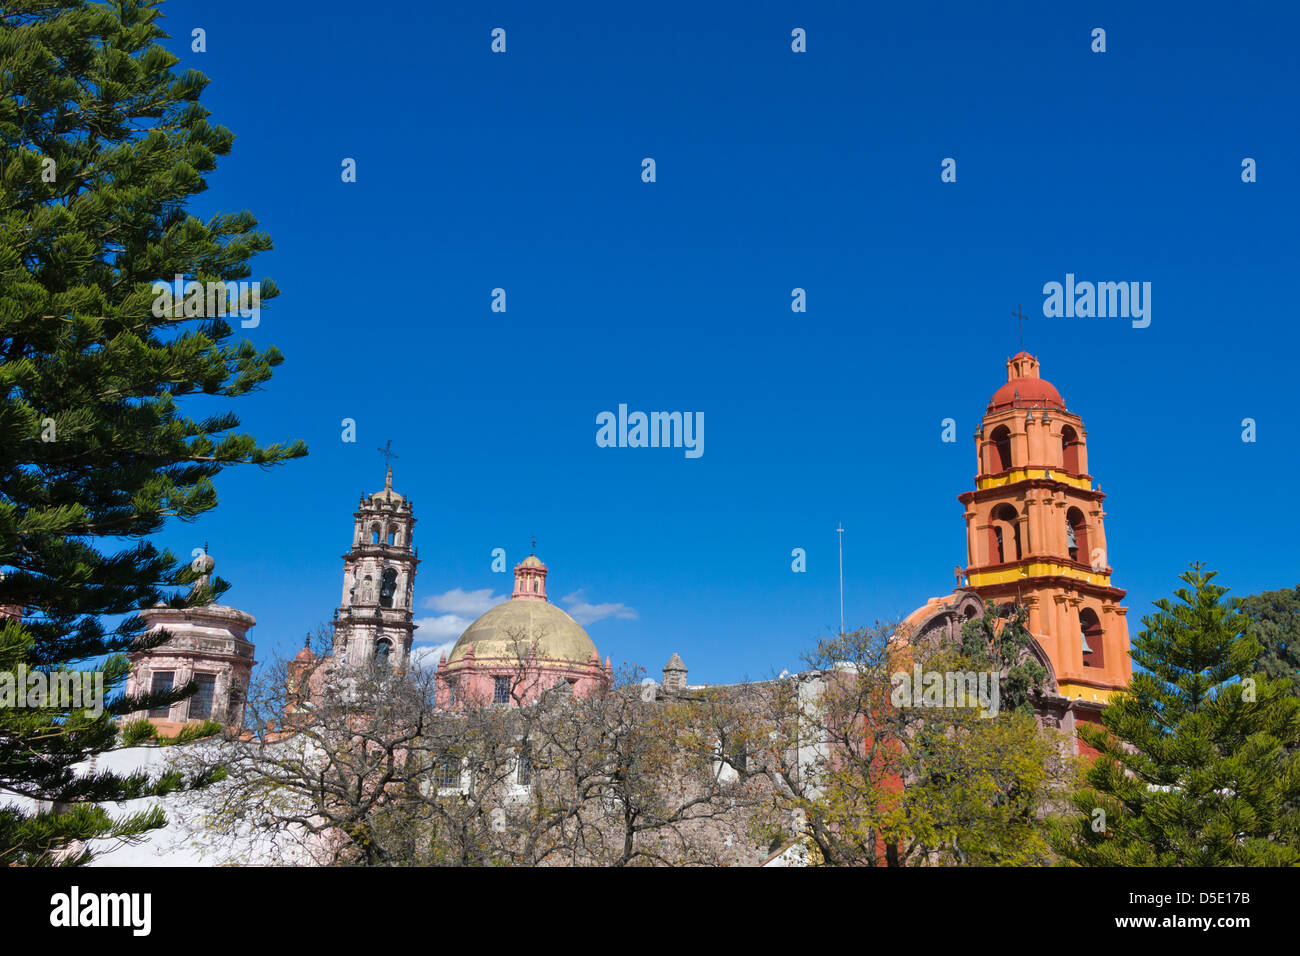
point(1035, 534)
point(373, 624)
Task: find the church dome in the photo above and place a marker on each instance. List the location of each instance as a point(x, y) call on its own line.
point(557, 635)
point(1024, 388)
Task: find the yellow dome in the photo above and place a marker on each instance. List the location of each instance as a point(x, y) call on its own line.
point(508, 629)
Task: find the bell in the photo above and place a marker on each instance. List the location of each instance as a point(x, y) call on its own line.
point(1084, 637)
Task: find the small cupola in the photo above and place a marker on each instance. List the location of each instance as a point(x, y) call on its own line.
point(530, 580)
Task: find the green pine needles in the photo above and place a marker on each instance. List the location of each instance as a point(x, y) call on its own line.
point(101, 147)
point(1197, 763)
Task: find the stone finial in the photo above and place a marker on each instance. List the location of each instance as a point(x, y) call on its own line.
point(204, 565)
point(675, 674)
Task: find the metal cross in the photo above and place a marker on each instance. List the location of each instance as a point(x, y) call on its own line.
point(388, 453)
point(1021, 319)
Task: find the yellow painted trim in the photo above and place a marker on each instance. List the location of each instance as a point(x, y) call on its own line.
point(1037, 569)
point(1025, 474)
point(1091, 694)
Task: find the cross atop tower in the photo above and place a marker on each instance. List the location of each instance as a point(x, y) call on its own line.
point(1021, 319)
point(534, 539)
point(389, 455)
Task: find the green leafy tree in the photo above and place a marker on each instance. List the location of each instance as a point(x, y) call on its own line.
point(999, 640)
point(1196, 763)
point(1274, 621)
point(898, 782)
point(102, 145)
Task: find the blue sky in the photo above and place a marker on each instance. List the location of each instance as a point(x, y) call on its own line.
point(775, 170)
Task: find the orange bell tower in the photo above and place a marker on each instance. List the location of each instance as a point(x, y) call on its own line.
point(1035, 534)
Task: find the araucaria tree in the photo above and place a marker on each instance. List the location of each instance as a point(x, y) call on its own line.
point(1197, 761)
point(101, 147)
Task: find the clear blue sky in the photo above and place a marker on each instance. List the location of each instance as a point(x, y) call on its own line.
point(775, 170)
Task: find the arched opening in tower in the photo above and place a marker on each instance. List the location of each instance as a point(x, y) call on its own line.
point(1091, 638)
point(1070, 447)
point(1004, 543)
point(388, 587)
point(1000, 450)
point(1076, 535)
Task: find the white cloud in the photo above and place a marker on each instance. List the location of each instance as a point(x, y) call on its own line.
point(444, 627)
point(464, 603)
point(460, 609)
point(584, 612)
point(428, 655)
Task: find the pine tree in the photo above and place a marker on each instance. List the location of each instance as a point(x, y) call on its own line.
point(1195, 765)
point(101, 147)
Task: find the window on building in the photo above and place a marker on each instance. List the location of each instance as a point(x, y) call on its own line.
point(524, 770)
point(739, 758)
point(446, 773)
point(163, 681)
point(392, 535)
point(383, 648)
point(201, 702)
point(501, 690)
point(374, 534)
point(451, 692)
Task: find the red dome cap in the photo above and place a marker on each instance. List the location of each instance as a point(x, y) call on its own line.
point(1024, 389)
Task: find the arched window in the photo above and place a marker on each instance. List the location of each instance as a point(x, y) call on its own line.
point(383, 648)
point(534, 585)
point(1070, 446)
point(392, 535)
point(1000, 450)
point(374, 534)
point(1090, 638)
point(1005, 539)
point(1076, 536)
point(388, 587)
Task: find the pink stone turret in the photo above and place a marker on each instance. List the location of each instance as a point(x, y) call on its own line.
point(530, 580)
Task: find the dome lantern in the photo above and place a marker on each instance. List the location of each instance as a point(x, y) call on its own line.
point(530, 580)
